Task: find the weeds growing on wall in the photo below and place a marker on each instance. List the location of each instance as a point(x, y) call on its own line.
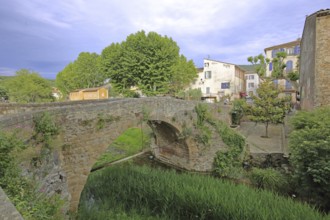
point(224, 161)
point(23, 192)
point(45, 128)
point(102, 120)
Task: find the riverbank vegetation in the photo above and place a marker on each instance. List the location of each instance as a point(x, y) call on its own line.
point(132, 192)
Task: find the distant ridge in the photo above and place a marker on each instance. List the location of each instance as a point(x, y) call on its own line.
point(249, 68)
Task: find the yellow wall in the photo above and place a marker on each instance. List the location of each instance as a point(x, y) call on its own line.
point(89, 94)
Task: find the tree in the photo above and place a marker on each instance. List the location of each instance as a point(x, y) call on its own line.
point(147, 61)
point(279, 65)
point(309, 146)
point(268, 107)
point(28, 87)
point(84, 72)
point(3, 94)
point(183, 72)
point(260, 63)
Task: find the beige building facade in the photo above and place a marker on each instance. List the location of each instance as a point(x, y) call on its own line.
point(89, 94)
point(292, 50)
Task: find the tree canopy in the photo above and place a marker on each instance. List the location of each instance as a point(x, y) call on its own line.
point(28, 86)
point(84, 72)
point(268, 107)
point(150, 62)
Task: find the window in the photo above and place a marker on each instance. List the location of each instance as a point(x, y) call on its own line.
point(290, 51)
point(251, 77)
point(208, 74)
point(274, 53)
point(250, 85)
point(270, 66)
point(225, 85)
point(208, 90)
point(289, 66)
point(297, 50)
point(206, 64)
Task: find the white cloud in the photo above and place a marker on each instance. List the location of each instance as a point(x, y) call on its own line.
point(5, 71)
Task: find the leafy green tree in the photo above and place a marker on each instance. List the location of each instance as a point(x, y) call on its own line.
point(84, 72)
point(3, 94)
point(113, 65)
point(268, 107)
point(28, 87)
point(147, 61)
point(279, 65)
point(183, 73)
point(309, 146)
point(260, 63)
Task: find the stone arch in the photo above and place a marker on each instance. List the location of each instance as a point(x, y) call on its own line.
point(84, 138)
point(169, 147)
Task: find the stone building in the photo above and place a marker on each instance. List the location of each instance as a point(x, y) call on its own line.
point(315, 61)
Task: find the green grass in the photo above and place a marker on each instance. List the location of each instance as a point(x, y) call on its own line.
point(146, 193)
point(127, 144)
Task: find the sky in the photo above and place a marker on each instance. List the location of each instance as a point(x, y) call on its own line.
point(44, 36)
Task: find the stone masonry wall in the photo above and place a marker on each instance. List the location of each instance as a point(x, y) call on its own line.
point(322, 59)
point(307, 64)
point(7, 209)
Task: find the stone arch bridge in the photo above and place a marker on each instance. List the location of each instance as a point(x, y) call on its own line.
point(88, 127)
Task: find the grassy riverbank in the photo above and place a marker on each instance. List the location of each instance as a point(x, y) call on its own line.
point(132, 141)
point(132, 192)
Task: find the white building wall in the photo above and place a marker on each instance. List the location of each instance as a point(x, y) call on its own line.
point(214, 85)
point(252, 83)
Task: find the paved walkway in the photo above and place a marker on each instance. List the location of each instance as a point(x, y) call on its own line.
point(257, 144)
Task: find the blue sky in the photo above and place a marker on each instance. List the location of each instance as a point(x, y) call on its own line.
point(44, 36)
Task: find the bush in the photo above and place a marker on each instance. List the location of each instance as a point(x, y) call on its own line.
point(269, 179)
point(45, 127)
point(309, 146)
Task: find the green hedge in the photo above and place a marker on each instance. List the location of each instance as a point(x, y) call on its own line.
point(185, 196)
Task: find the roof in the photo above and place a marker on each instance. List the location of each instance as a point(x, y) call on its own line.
point(320, 13)
point(89, 89)
point(200, 69)
point(289, 44)
point(225, 63)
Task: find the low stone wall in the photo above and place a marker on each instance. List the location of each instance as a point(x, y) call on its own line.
point(7, 209)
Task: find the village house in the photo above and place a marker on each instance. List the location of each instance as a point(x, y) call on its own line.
point(89, 94)
point(219, 79)
point(292, 50)
point(252, 83)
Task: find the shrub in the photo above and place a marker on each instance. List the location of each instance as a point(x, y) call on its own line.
point(309, 146)
point(269, 179)
point(45, 127)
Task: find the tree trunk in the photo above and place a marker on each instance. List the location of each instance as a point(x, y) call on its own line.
point(266, 130)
